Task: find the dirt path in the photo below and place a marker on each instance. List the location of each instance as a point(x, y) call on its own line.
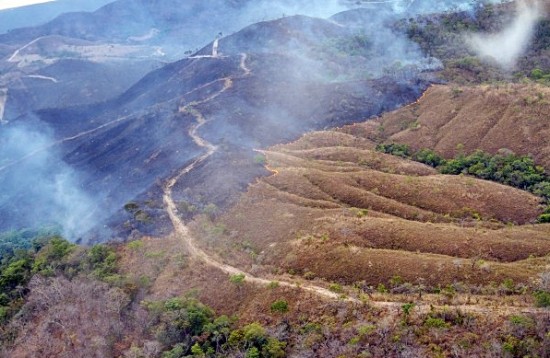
point(183, 231)
point(40, 77)
point(13, 57)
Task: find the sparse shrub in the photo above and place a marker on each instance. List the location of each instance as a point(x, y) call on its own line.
point(456, 91)
point(407, 308)
point(522, 321)
point(434, 322)
point(542, 298)
point(237, 279)
point(311, 328)
point(186, 207)
point(131, 207)
point(366, 330)
point(273, 285)
point(211, 210)
point(508, 287)
point(260, 159)
point(396, 281)
point(279, 306)
point(135, 245)
point(143, 217)
point(336, 288)
point(381, 288)
point(360, 213)
point(449, 292)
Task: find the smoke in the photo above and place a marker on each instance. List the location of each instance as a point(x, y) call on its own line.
point(41, 190)
point(506, 46)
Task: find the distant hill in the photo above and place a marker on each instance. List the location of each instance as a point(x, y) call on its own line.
point(40, 13)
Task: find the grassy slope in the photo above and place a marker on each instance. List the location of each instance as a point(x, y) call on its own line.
point(307, 217)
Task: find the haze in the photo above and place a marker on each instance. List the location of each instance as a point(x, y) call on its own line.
point(10, 4)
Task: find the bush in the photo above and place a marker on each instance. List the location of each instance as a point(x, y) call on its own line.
point(542, 299)
point(252, 353)
point(400, 150)
point(237, 279)
point(280, 306)
point(50, 258)
point(433, 322)
point(506, 168)
point(429, 157)
point(101, 260)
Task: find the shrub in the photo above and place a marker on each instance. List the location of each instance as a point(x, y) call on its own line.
point(433, 322)
point(400, 150)
point(196, 350)
point(429, 157)
point(260, 159)
point(522, 321)
point(253, 353)
point(542, 298)
point(407, 308)
point(51, 256)
point(336, 288)
point(237, 279)
point(274, 348)
point(280, 306)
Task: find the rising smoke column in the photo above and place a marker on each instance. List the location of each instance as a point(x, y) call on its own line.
point(507, 46)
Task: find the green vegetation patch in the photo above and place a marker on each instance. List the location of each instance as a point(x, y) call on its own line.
point(518, 171)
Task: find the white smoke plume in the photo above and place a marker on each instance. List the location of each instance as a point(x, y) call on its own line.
point(506, 46)
point(42, 190)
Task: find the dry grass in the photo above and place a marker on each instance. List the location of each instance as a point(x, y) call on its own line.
point(448, 119)
point(336, 209)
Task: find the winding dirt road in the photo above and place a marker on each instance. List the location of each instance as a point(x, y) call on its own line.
point(179, 226)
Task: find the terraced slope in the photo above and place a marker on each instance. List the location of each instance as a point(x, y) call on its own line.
point(335, 208)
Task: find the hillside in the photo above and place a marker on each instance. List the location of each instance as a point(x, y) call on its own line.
point(359, 185)
point(450, 119)
point(333, 195)
point(271, 82)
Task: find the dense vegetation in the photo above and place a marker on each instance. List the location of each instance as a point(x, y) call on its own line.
point(519, 171)
point(182, 326)
point(12, 241)
point(18, 265)
point(37, 253)
point(442, 36)
point(186, 327)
